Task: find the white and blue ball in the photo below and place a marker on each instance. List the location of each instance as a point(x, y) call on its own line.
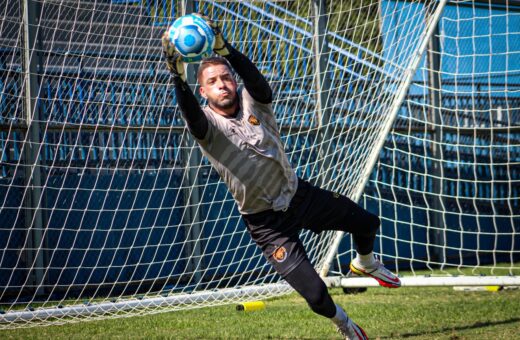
point(193, 37)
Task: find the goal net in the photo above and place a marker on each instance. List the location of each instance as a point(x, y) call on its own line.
point(447, 181)
point(108, 209)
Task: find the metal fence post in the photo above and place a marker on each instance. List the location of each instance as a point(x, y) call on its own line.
point(437, 238)
point(192, 194)
point(322, 87)
point(33, 178)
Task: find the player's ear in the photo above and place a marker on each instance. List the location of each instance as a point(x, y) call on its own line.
point(202, 92)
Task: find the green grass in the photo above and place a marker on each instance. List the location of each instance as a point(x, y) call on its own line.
point(405, 313)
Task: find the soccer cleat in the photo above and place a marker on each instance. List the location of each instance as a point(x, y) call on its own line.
point(351, 331)
point(378, 271)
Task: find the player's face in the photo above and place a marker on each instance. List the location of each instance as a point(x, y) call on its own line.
point(220, 89)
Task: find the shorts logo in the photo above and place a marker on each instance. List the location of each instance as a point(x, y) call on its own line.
point(335, 195)
point(280, 254)
point(253, 120)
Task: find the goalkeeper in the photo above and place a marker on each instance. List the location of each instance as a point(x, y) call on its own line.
point(238, 133)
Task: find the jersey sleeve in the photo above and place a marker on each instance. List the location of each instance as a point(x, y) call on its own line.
point(254, 81)
point(191, 111)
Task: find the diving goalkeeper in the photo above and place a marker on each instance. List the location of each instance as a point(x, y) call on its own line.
point(238, 133)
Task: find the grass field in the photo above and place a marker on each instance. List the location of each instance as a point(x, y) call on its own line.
point(405, 313)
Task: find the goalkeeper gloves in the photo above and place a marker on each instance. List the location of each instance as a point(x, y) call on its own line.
point(220, 46)
point(174, 61)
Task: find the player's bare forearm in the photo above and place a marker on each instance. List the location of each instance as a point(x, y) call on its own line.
point(190, 108)
point(254, 81)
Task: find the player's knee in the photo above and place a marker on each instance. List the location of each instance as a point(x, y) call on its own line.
point(317, 295)
point(368, 226)
point(311, 287)
point(373, 224)
point(320, 301)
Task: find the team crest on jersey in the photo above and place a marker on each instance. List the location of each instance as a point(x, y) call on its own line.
point(280, 254)
point(335, 195)
point(253, 120)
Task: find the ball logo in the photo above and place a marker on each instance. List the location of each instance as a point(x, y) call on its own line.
point(335, 195)
point(280, 254)
point(253, 120)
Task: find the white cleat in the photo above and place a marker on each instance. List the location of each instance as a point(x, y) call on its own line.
point(351, 331)
point(378, 271)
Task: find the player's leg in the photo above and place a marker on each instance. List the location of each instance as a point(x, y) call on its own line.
point(365, 263)
point(325, 210)
point(311, 287)
point(276, 233)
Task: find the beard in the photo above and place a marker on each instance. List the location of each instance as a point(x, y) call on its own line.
point(223, 104)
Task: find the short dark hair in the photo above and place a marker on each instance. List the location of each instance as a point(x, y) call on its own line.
point(212, 61)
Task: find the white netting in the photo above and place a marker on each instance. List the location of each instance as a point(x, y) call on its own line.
point(447, 183)
point(107, 208)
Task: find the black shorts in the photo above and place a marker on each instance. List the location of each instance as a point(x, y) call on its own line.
point(276, 232)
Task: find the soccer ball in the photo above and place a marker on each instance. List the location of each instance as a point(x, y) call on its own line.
point(193, 37)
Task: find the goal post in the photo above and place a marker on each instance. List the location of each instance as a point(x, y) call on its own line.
point(107, 209)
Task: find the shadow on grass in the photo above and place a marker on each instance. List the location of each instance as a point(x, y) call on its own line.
point(450, 329)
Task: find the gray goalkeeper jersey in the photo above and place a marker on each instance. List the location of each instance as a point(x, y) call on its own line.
point(247, 152)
